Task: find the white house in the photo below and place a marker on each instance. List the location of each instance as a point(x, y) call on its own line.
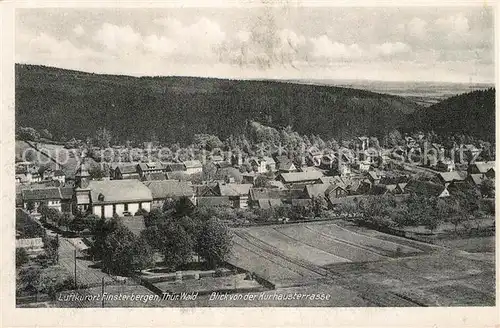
point(193, 167)
point(120, 197)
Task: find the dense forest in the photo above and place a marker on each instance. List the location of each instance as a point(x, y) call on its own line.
point(75, 104)
point(470, 113)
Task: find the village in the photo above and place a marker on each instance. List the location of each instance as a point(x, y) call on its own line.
point(366, 184)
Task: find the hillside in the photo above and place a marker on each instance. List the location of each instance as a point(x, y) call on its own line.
point(470, 113)
point(74, 104)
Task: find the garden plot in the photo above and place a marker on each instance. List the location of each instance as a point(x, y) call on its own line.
point(382, 247)
point(273, 268)
point(293, 248)
point(329, 244)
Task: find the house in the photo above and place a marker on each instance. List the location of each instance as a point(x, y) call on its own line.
point(362, 143)
point(49, 196)
point(32, 246)
point(481, 167)
point(162, 190)
point(174, 167)
point(284, 164)
point(60, 176)
point(445, 165)
point(259, 197)
point(217, 159)
point(327, 161)
point(335, 191)
point(193, 167)
point(24, 177)
point(107, 198)
point(316, 190)
point(364, 166)
point(126, 171)
point(276, 184)
point(148, 168)
point(206, 190)
point(26, 166)
point(446, 178)
point(374, 177)
point(48, 174)
point(263, 164)
point(394, 189)
point(211, 201)
point(300, 177)
point(154, 176)
point(177, 175)
point(238, 193)
point(36, 177)
point(476, 179)
point(236, 160)
point(427, 188)
point(314, 156)
point(66, 199)
point(249, 177)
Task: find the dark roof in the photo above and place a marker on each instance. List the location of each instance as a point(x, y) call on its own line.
point(206, 190)
point(424, 187)
point(214, 201)
point(41, 194)
point(59, 173)
point(66, 192)
point(483, 167)
point(172, 167)
point(265, 193)
point(151, 166)
point(127, 168)
point(177, 175)
point(169, 188)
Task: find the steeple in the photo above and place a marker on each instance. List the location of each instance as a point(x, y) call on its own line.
point(82, 176)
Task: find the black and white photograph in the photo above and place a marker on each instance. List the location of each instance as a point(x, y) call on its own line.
point(276, 155)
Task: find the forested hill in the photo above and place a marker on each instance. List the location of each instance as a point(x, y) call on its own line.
point(75, 104)
point(470, 113)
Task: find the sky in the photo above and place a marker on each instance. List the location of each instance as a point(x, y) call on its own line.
point(442, 44)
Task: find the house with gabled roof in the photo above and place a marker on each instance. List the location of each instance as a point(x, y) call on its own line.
point(263, 164)
point(107, 198)
point(237, 192)
point(259, 196)
point(300, 177)
point(161, 190)
point(150, 167)
point(451, 177)
point(481, 167)
point(284, 164)
point(427, 188)
point(126, 171)
point(50, 196)
point(193, 167)
point(174, 167)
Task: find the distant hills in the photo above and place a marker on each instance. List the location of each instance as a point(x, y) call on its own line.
point(470, 113)
point(75, 104)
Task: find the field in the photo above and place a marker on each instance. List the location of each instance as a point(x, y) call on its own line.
point(364, 266)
